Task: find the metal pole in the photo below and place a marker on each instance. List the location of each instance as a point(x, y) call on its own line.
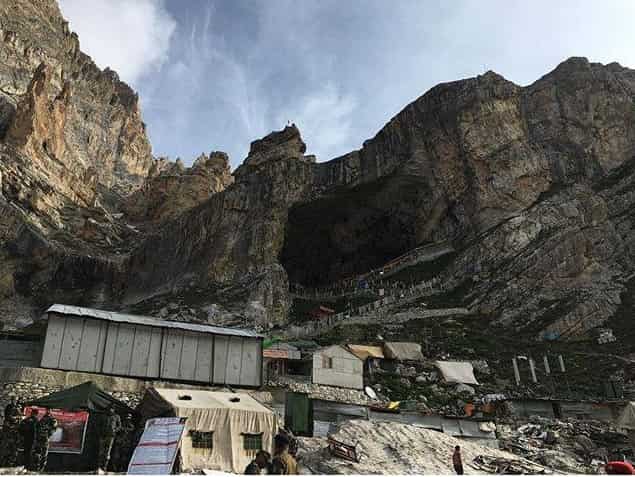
point(561, 362)
point(532, 369)
point(516, 373)
point(546, 361)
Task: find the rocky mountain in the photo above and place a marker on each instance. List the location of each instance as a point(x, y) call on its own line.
point(532, 186)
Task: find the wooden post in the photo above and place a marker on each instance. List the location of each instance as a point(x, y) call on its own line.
point(546, 361)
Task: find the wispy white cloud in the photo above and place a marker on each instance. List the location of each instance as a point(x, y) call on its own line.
point(325, 118)
point(232, 71)
point(131, 37)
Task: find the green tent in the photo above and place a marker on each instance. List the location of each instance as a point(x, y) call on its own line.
point(84, 397)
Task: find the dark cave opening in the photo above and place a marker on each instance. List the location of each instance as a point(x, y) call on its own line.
point(353, 231)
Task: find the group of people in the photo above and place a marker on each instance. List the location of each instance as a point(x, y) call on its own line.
point(33, 432)
point(282, 462)
point(32, 435)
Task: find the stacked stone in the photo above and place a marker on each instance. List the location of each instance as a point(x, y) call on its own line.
point(24, 391)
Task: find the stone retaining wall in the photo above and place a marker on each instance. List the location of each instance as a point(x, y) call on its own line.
point(32, 383)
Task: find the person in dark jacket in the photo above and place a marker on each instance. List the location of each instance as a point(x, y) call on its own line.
point(29, 429)
point(260, 463)
point(457, 462)
point(282, 463)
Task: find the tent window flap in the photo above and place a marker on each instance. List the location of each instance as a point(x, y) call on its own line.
point(202, 440)
point(252, 442)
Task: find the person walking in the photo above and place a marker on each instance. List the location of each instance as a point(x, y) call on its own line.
point(282, 463)
point(10, 434)
point(260, 463)
point(110, 427)
point(28, 430)
point(45, 429)
point(457, 462)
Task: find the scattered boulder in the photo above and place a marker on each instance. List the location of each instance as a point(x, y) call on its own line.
point(464, 389)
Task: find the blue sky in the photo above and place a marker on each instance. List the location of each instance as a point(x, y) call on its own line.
point(215, 75)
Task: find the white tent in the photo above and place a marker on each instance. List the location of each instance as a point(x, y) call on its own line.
point(403, 351)
point(456, 371)
point(627, 417)
point(223, 430)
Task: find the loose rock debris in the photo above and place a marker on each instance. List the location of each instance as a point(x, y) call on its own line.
point(499, 465)
point(393, 448)
point(567, 445)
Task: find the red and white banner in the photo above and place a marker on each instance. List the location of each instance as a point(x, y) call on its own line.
point(70, 434)
point(156, 452)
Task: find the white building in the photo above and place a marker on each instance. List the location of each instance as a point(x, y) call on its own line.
point(336, 366)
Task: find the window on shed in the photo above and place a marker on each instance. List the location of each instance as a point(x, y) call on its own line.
point(252, 442)
point(327, 362)
point(202, 439)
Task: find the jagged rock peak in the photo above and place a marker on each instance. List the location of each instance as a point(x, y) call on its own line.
point(216, 161)
point(277, 145)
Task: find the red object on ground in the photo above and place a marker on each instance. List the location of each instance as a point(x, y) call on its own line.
point(619, 468)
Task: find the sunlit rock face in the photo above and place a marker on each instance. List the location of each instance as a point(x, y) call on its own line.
point(532, 186)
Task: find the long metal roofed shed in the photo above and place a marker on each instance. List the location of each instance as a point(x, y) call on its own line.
point(97, 341)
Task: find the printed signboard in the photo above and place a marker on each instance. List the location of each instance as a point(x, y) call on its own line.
point(156, 452)
point(70, 434)
point(275, 353)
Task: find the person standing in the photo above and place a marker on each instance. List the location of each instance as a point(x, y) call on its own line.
point(260, 463)
point(123, 446)
point(110, 427)
point(29, 429)
point(283, 463)
point(457, 462)
point(10, 434)
point(45, 429)
point(293, 442)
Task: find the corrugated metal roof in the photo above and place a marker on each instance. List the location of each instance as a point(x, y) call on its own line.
point(148, 321)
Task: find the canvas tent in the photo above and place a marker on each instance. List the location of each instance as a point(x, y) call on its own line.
point(403, 351)
point(223, 430)
point(364, 352)
point(456, 371)
point(626, 420)
point(84, 397)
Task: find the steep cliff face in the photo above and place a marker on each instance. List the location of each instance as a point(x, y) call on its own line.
point(533, 186)
point(72, 146)
point(236, 235)
point(60, 109)
point(172, 188)
point(530, 184)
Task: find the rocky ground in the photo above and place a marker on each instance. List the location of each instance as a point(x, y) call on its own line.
point(571, 446)
point(391, 448)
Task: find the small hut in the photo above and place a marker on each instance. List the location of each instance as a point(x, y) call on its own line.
point(86, 397)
